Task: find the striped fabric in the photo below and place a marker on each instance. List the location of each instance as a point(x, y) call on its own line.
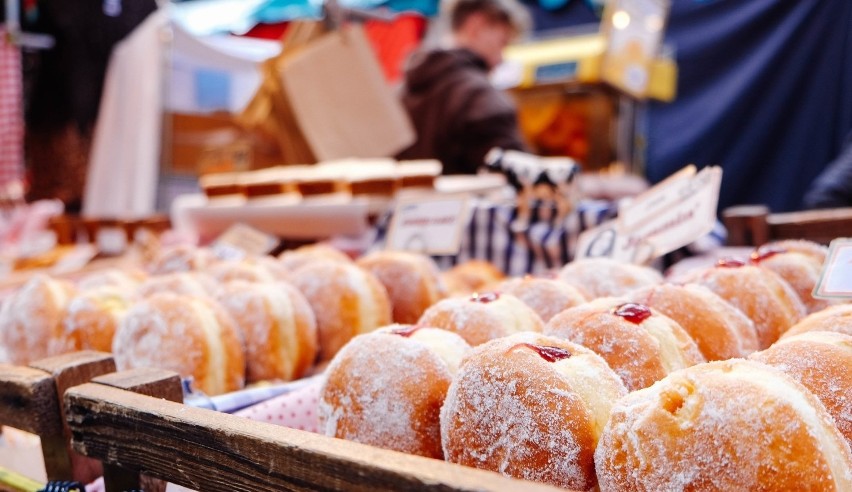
point(11, 112)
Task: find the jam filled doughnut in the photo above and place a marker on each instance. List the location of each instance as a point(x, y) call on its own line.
point(759, 293)
point(386, 388)
point(547, 297)
point(641, 345)
point(822, 362)
point(294, 259)
point(346, 301)
point(604, 277)
point(800, 270)
point(532, 407)
point(413, 282)
point(278, 326)
point(90, 320)
point(471, 276)
point(720, 330)
point(32, 317)
point(192, 336)
point(724, 425)
point(482, 317)
point(836, 318)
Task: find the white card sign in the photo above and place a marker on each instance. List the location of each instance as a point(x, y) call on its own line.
point(240, 239)
point(431, 225)
point(669, 216)
point(835, 282)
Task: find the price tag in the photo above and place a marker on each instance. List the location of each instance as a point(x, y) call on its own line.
point(669, 216)
point(241, 239)
point(75, 260)
point(430, 225)
point(835, 282)
point(111, 240)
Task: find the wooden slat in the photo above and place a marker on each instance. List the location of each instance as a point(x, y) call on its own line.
point(210, 451)
point(753, 225)
point(28, 400)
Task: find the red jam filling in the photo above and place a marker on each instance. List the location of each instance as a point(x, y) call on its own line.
point(550, 354)
point(730, 263)
point(632, 312)
point(485, 297)
point(766, 252)
point(405, 331)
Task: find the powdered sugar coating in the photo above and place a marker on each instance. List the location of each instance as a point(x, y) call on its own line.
point(182, 258)
point(836, 318)
point(815, 250)
point(295, 259)
point(471, 276)
point(247, 270)
point(725, 425)
point(193, 284)
point(509, 410)
point(604, 277)
point(413, 282)
point(822, 362)
point(386, 390)
point(801, 272)
point(31, 317)
point(90, 320)
point(126, 279)
point(547, 297)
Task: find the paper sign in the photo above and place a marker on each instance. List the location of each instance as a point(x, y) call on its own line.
point(836, 278)
point(111, 240)
point(75, 260)
point(241, 239)
point(671, 215)
point(430, 225)
point(634, 32)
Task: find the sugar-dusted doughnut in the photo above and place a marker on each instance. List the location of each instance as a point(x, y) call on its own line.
point(482, 317)
point(471, 276)
point(90, 319)
point(800, 270)
point(761, 294)
point(822, 362)
point(720, 330)
point(126, 279)
point(186, 283)
point(814, 250)
point(530, 406)
point(547, 297)
point(413, 282)
point(724, 425)
point(835, 318)
point(640, 344)
point(182, 258)
point(386, 388)
point(32, 316)
point(294, 259)
point(346, 300)
point(192, 336)
point(604, 277)
point(278, 326)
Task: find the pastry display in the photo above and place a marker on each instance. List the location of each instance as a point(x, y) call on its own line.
point(822, 362)
point(760, 294)
point(482, 317)
point(547, 297)
point(413, 282)
point(641, 345)
point(192, 336)
point(724, 425)
point(720, 330)
point(386, 388)
point(346, 300)
point(604, 277)
point(532, 407)
point(277, 325)
point(836, 318)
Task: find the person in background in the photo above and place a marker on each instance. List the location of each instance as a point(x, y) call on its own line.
point(457, 113)
point(833, 186)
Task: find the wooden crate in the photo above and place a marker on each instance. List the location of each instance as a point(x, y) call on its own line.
point(753, 225)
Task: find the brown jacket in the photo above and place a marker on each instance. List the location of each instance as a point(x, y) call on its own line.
point(458, 115)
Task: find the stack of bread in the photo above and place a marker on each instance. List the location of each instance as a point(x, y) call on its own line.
point(602, 375)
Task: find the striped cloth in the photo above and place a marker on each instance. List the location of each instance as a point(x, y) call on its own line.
point(11, 112)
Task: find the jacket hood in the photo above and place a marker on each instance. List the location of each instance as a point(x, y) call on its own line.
point(427, 67)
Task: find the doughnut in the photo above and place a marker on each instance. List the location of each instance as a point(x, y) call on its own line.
point(247, 270)
point(312, 253)
point(798, 269)
point(639, 344)
point(720, 330)
point(836, 318)
point(482, 317)
point(32, 316)
point(724, 425)
point(760, 294)
point(278, 326)
point(192, 336)
point(604, 277)
point(413, 282)
point(90, 320)
point(814, 250)
point(530, 406)
point(822, 362)
point(182, 258)
point(471, 276)
point(547, 297)
point(386, 388)
point(126, 279)
point(186, 283)
point(346, 301)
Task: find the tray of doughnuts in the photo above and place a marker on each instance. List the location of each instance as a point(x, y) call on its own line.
point(601, 374)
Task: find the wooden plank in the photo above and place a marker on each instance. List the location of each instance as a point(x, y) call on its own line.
point(28, 400)
point(209, 451)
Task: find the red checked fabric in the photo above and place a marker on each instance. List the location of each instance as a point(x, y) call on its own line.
point(11, 112)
